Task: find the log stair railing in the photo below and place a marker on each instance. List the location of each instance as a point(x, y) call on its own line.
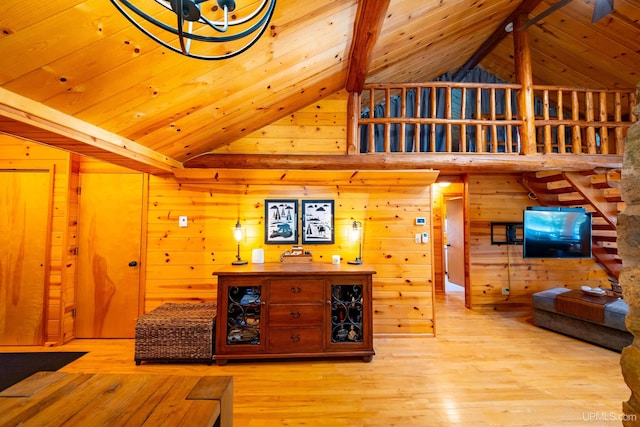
point(596, 191)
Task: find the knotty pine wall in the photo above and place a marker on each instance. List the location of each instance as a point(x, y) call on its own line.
point(403, 292)
point(502, 197)
point(18, 154)
point(181, 261)
point(320, 128)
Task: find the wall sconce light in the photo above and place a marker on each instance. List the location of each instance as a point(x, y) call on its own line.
point(179, 24)
point(237, 236)
point(356, 233)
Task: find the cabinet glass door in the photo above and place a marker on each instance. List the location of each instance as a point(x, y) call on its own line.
point(244, 310)
point(347, 313)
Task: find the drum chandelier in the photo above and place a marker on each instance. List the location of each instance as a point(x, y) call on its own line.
point(201, 29)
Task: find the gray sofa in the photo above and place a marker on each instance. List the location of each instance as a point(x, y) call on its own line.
point(611, 333)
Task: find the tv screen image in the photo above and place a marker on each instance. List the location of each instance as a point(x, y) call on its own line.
point(556, 233)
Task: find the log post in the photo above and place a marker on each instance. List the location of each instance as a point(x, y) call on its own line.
point(353, 108)
point(524, 76)
point(480, 136)
point(508, 115)
point(561, 134)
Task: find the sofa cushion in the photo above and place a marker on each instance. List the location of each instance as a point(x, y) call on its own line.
point(615, 313)
point(612, 333)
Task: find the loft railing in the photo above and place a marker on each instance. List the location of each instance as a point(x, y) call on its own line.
point(453, 117)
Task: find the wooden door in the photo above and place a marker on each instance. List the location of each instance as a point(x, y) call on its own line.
point(25, 201)
point(109, 250)
point(455, 241)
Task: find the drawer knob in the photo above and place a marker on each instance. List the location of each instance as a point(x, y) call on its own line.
point(296, 290)
point(295, 315)
point(295, 338)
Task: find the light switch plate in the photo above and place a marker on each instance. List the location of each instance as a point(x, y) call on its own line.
point(182, 221)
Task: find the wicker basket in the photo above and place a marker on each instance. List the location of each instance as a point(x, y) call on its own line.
point(176, 333)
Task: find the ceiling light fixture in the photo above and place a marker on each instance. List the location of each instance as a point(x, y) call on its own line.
point(188, 27)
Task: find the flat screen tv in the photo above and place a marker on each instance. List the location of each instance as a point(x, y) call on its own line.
point(554, 232)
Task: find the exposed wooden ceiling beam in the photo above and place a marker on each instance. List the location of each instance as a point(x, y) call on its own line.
point(495, 38)
point(369, 19)
point(443, 162)
point(304, 177)
point(27, 119)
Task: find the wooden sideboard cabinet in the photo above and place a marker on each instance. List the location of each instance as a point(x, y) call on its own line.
point(277, 310)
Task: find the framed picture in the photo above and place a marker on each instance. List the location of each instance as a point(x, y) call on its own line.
point(281, 221)
point(317, 222)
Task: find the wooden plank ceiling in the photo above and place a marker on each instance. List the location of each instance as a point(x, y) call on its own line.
point(84, 59)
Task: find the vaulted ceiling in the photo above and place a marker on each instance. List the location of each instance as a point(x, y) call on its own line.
point(84, 59)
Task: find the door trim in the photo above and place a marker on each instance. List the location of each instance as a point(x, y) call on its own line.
point(144, 227)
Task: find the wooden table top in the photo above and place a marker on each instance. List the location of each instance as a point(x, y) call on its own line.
point(73, 399)
point(279, 268)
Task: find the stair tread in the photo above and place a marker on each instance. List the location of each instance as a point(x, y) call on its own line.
point(601, 198)
point(548, 176)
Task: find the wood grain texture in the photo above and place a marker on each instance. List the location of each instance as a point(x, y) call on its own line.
point(85, 60)
point(368, 23)
point(110, 238)
point(118, 399)
point(484, 368)
point(503, 198)
point(24, 261)
point(21, 155)
point(181, 261)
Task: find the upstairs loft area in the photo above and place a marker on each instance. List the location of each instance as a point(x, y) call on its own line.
point(450, 117)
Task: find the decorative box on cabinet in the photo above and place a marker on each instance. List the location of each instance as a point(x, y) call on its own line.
point(277, 310)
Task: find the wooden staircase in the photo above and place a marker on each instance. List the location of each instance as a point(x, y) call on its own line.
point(597, 191)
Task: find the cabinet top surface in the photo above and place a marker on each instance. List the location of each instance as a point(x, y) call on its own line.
point(277, 268)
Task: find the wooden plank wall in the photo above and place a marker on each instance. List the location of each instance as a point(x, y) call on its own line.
point(403, 287)
point(18, 154)
point(181, 261)
point(320, 128)
point(503, 198)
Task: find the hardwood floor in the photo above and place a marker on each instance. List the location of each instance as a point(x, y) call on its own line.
point(483, 369)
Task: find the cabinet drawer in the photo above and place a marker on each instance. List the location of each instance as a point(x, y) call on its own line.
point(296, 315)
point(302, 290)
point(295, 340)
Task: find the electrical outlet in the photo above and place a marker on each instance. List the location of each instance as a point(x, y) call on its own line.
point(506, 291)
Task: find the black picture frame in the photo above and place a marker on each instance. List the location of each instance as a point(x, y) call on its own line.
point(318, 223)
point(280, 221)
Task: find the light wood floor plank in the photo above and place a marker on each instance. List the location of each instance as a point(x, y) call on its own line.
point(484, 368)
